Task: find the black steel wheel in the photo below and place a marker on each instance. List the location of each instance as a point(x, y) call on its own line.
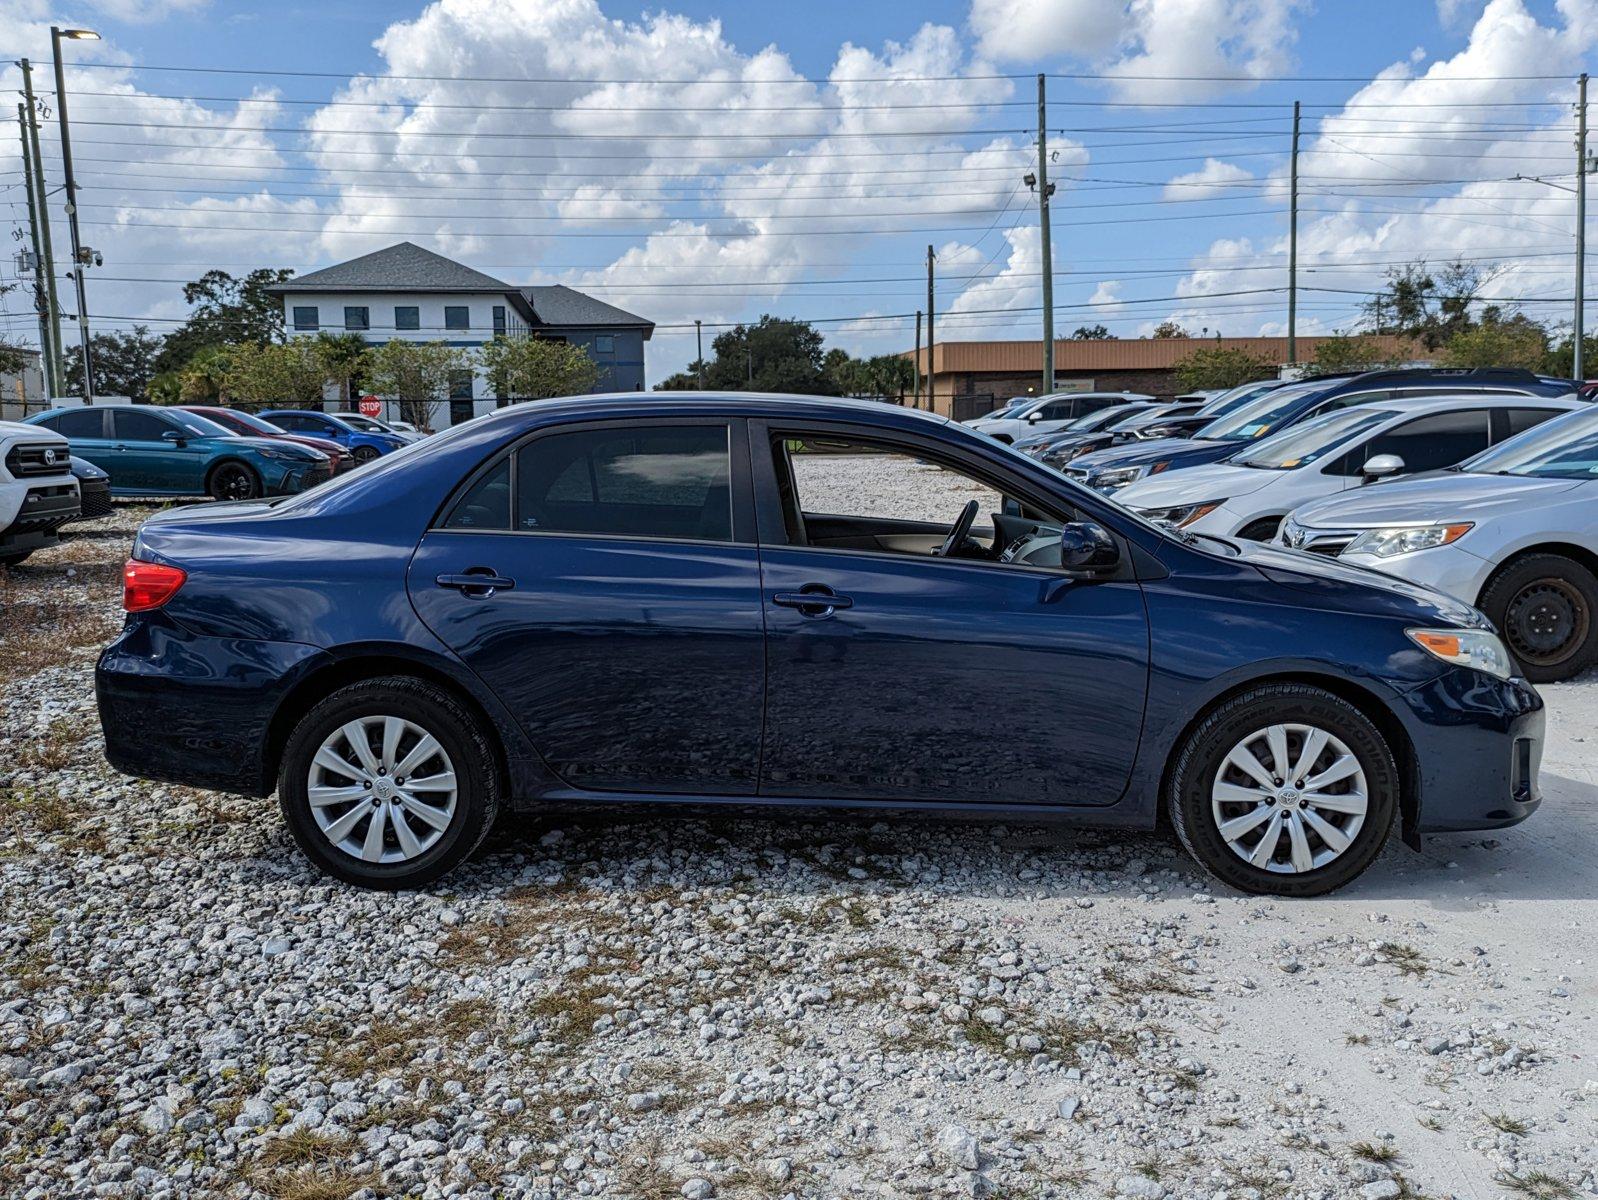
point(1544, 605)
point(234, 481)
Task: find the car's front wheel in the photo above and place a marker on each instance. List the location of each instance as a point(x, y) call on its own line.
point(1546, 606)
point(1285, 789)
point(234, 481)
point(389, 783)
point(364, 455)
point(13, 557)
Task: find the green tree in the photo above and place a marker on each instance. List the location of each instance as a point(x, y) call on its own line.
point(124, 364)
point(417, 374)
point(343, 357)
point(12, 359)
point(201, 380)
point(1091, 333)
point(267, 375)
point(1220, 367)
point(531, 368)
point(1515, 341)
point(227, 311)
point(1429, 305)
point(1169, 329)
point(1561, 357)
point(1343, 353)
point(773, 354)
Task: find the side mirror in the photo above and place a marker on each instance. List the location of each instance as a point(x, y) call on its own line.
point(1087, 549)
point(1381, 466)
point(176, 438)
point(1034, 417)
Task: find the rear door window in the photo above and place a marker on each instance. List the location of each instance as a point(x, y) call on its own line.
point(84, 423)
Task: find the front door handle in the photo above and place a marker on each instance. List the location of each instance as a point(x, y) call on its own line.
point(477, 581)
point(814, 600)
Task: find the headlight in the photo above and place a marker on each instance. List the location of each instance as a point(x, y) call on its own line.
point(1182, 515)
point(286, 455)
point(1386, 543)
point(1474, 648)
point(1119, 477)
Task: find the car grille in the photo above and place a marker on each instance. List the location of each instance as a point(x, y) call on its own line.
point(1330, 542)
point(28, 461)
point(96, 497)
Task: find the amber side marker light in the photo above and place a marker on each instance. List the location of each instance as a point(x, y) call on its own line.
point(1443, 645)
point(147, 585)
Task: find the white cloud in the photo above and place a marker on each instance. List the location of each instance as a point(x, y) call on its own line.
point(1106, 298)
point(1146, 38)
point(1214, 178)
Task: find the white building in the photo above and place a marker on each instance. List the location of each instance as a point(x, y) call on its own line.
point(410, 293)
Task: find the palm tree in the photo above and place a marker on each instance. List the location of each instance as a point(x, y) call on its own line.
point(344, 355)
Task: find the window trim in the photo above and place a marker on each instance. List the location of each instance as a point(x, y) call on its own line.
point(366, 325)
point(740, 485)
point(460, 308)
point(104, 414)
point(316, 317)
point(407, 308)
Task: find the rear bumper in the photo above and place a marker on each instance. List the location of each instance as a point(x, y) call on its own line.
point(1478, 746)
point(193, 710)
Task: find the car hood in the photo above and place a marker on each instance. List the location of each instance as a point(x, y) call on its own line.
point(1197, 485)
point(1336, 584)
point(270, 443)
point(1444, 496)
point(1172, 450)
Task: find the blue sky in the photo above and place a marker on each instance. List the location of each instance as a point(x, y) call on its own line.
point(817, 199)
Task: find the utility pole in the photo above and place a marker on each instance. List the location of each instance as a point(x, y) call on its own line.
point(916, 363)
point(1045, 190)
point(699, 351)
point(1292, 250)
point(78, 255)
point(55, 349)
point(40, 304)
point(1578, 367)
point(932, 400)
point(749, 349)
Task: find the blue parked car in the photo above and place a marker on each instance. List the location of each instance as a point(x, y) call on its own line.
point(729, 599)
point(152, 451)
point(1110, 470)
point(364, 445)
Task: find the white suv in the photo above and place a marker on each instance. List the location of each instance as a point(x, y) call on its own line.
point(1048, 413)
point(1513, 531)
point(1248, 494)
point(38, 493)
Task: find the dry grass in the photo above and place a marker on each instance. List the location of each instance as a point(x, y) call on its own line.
point(327, 1183)
point(1407, 959)
point(1505, 1123)
point(57, 747)
point(39, 632)
point(306, 1147)
point(1539, 1185)
point(1376, 1152)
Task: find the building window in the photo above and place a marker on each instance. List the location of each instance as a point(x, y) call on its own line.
point(306, 316)
point(357, 317)
point(604, 343)
point(457, 316)
point(460, 385)
point(407, 316)
point(499, 318)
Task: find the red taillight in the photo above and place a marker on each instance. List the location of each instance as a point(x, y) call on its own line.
point(149, 585)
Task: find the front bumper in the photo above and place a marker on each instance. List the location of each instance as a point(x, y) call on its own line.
point(43, 510)
point(95, 496)
point(194, 710)
point(1478, 746)
point(298, 477)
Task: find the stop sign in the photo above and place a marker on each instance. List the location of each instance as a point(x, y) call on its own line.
point(371, 406)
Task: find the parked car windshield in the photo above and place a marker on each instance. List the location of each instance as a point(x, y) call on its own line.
point(200, 426)
point(1147, 415)
point(1563, 448)
point(1008, 408)
point(1257, 419)
point(249, 421)
point(365, 424)
point(1234, 398)
point(1300, 445)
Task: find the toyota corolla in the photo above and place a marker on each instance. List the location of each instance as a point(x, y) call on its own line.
point(734, 600)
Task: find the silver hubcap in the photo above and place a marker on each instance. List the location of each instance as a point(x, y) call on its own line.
point(382, 789)
point(1289, 798)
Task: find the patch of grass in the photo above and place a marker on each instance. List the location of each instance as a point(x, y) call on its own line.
point(383, 1046)
point(465, 1017)
point(1406, 958)
point(335, 1183)
point(1151, 1167)
point(569, 1015)
point(1431, 1121)
point(1128, 986)
point(1356, 1039)
point(1063, 1036)
point(1376, 1152)
point(306, 1147)
point(57, 746)
point(1505, 1123)
point(44, 631)
point(985, 1037)
point(1539, 1185)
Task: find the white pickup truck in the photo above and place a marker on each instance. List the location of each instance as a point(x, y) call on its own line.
point(38, 493)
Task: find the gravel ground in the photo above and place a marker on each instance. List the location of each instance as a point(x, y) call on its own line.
point(759, 1007)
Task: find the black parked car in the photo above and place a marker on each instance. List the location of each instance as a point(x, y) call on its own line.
point(94, 489)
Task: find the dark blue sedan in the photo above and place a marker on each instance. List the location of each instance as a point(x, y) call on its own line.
point(1110, 470)
point(727, 599)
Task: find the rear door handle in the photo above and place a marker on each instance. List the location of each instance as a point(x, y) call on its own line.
point(477, 581)
point(813, 600)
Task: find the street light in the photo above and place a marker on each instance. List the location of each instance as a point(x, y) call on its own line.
point(80, 256)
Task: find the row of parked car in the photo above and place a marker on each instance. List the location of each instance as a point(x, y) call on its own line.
point(67, 463)
point(1488, 482)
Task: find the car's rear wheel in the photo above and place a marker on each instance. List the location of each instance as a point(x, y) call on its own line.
point(234, 481)
point(364, 455)
point(1285, 789)
point(389, 783)
point(1545, 606)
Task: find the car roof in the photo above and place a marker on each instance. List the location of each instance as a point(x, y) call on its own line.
point(734, 404)
point(1410, 405)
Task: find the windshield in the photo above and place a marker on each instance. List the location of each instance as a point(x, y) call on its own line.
point(1008, 408)
point(1234, 398)
point(251, 422)
point(1257, 419)
point(200, 426)
point(365, 423)
point(1300, 445)
point(1148, 416)
point(1563, 448)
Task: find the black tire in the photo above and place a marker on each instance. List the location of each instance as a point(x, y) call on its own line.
point(1262, 530)
point(435, 711)
point(1546, 608)
point(364, 455)
point(1200, 761)
point(233, 481)
point(14, 557)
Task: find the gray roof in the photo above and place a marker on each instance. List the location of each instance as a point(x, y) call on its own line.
point(558, 305)
point(404, 267)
